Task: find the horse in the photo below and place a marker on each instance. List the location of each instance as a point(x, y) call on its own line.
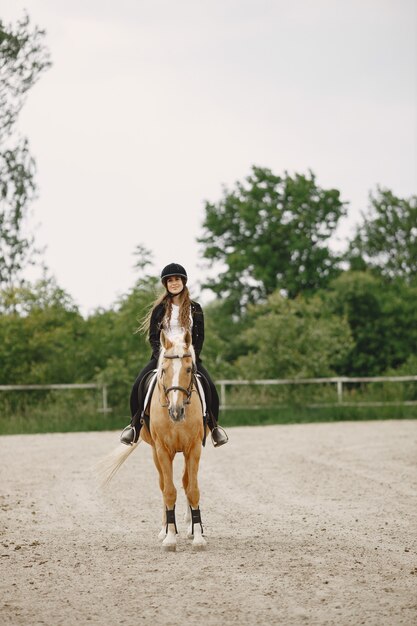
point(176, 425)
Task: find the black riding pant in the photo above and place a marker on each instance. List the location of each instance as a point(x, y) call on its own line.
point(215, 403)
point(152, 365)
point(134, 399)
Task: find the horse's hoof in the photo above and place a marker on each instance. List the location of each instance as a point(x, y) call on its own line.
point(199, 547)
point(169, 547)
point(190, 534)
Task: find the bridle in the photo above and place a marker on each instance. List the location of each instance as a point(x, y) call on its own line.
point(187, 391)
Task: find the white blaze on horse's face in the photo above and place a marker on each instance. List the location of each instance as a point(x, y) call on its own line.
point(176, 374)
point(176, 407)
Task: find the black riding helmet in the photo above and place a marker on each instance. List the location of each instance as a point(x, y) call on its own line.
point(173, 269)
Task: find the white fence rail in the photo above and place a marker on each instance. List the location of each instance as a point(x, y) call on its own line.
point(338, 381)
point(103, 409)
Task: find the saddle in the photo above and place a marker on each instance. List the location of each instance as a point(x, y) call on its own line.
point(147, 386)
point(145, 390)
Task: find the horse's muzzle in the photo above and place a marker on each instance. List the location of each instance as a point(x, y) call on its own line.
point(176, 413)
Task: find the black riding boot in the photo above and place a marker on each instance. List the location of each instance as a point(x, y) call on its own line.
point(218, 434)
point(130, 434)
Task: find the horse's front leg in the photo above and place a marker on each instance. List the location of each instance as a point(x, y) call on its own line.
point(185, 481)
point(169, 493)
point(163, 531)
point(195, 528)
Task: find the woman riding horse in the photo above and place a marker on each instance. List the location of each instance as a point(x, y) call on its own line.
point(175, 313)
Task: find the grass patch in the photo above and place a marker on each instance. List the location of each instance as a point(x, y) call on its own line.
point(303, 415)
point(89, 420)
point(77, 412)
point(58, 412)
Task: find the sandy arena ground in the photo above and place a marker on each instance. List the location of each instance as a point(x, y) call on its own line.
point(306, 524)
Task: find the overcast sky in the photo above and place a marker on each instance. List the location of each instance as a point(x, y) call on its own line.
point(151, 106)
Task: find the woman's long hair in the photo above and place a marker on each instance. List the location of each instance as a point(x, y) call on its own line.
point(166, 299)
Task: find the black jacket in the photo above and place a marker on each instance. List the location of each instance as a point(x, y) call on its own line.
point(197, 332)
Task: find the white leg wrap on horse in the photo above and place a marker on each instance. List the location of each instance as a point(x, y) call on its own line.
point(199, 543)
point(170, 542)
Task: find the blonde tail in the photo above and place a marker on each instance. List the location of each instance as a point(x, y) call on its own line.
point(107, 467)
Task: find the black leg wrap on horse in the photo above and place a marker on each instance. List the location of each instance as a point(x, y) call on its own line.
point(171, 519)
point(196, 519)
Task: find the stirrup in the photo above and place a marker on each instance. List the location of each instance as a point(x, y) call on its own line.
point(219, 436)
point(129, 436)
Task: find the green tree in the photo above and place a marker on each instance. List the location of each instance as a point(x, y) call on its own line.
point(382, 317)
point(222, 344)
point(387, 238)
point(269, 233)
point(41, 343)
point(293, 339)
point(23, 57)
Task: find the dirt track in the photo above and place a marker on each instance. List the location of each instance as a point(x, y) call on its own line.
point(306, 524)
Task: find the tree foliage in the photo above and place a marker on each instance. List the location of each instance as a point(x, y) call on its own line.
point(382, 318)
point(23, 57)
point(271, 232)
point(222, 343)
point(41, 343)
point(359, 325)
point(386, 240)
point(297, 338)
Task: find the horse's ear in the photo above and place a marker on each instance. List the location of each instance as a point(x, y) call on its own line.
point(187, 339)
point(165, 342)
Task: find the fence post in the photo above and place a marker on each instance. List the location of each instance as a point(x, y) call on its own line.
point(339, 391)
point(223, 395)
point(105, 407)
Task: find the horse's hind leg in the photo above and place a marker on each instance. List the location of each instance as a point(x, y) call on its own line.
point(195, 528)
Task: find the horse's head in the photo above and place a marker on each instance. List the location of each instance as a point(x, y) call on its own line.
point(175, 373)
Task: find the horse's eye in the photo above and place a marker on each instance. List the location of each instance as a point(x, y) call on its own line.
point(189, 370)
